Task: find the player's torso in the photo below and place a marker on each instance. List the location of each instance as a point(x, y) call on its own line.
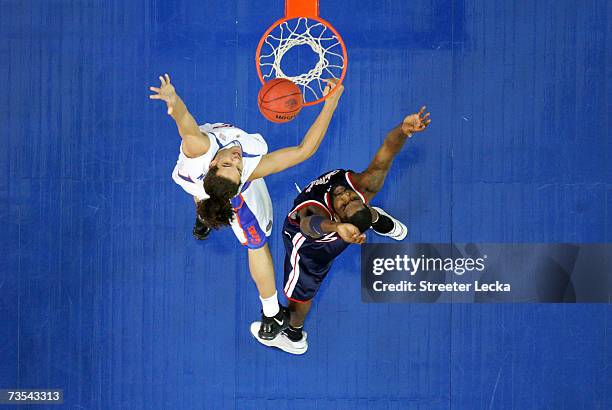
point(190, 172)
point(317, 194)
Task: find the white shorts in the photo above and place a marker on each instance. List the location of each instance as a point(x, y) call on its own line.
point(253, 214)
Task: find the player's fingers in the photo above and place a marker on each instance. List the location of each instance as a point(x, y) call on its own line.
point(424, 117)
point(162, 80)
point(422, 110)
point(154, 89)
point(155, 97)
point(427, 122)
point(170, 110)
point(167, 78)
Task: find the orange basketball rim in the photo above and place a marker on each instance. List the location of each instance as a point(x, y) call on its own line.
point(303, 26)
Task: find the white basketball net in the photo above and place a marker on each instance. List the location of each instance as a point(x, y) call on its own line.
point(299, 32)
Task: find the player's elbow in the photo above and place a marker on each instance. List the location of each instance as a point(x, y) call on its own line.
point(305, 227)
point(304, 156)
point(305, 152)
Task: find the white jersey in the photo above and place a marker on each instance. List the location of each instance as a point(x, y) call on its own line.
point(189, 173)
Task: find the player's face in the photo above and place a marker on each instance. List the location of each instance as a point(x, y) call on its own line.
point(229, 161)
point(346, 202)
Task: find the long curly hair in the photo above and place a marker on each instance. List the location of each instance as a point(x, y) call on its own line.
point(216, 211)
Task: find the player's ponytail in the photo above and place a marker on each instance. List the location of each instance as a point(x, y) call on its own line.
point(217, 211)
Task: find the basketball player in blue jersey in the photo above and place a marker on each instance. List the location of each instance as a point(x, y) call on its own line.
point(223, 167)
point(332, 212)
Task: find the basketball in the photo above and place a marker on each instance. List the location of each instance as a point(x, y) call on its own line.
point(280, 100)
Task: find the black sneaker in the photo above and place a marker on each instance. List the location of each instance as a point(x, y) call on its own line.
point(272, 326)
point(200, 231)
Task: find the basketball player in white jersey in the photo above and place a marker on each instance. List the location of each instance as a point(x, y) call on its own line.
point(222, 167)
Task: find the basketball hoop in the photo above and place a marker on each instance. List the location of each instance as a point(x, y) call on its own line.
point(302, 26)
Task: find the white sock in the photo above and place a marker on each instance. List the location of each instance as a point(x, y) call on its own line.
point(270, 305)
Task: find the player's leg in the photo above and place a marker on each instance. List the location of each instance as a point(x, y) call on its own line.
point(262, 272)
point(300, 286)
point(291, 236)
point(299, 311)
point(275, 317)
point(306, 266)
point(252, 225)
point(200, 230)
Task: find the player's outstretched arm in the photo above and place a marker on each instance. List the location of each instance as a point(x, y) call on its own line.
point(372, 179)
point(195, 143)
point(315, 225)
point(284, 158)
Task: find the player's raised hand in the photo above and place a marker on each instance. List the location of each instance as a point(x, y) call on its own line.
point(416, 122)
point(350, 233)
point(165, 93)
point(333, 84)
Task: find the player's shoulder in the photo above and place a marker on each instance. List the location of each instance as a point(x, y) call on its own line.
point(226, 133)
point(221, 128)
point(328, 176)
point(341, 176)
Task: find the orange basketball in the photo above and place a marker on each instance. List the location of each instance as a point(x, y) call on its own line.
point(280, 100)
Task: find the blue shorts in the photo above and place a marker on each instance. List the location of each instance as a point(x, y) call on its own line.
point(307, 261)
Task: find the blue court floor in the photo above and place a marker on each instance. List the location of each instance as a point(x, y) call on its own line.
point(105, 294)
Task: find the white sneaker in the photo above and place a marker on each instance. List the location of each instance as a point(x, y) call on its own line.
point(281, 341)
point(399, 230)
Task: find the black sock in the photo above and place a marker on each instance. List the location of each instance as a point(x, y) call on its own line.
point(294, 333)
point(384, 224)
